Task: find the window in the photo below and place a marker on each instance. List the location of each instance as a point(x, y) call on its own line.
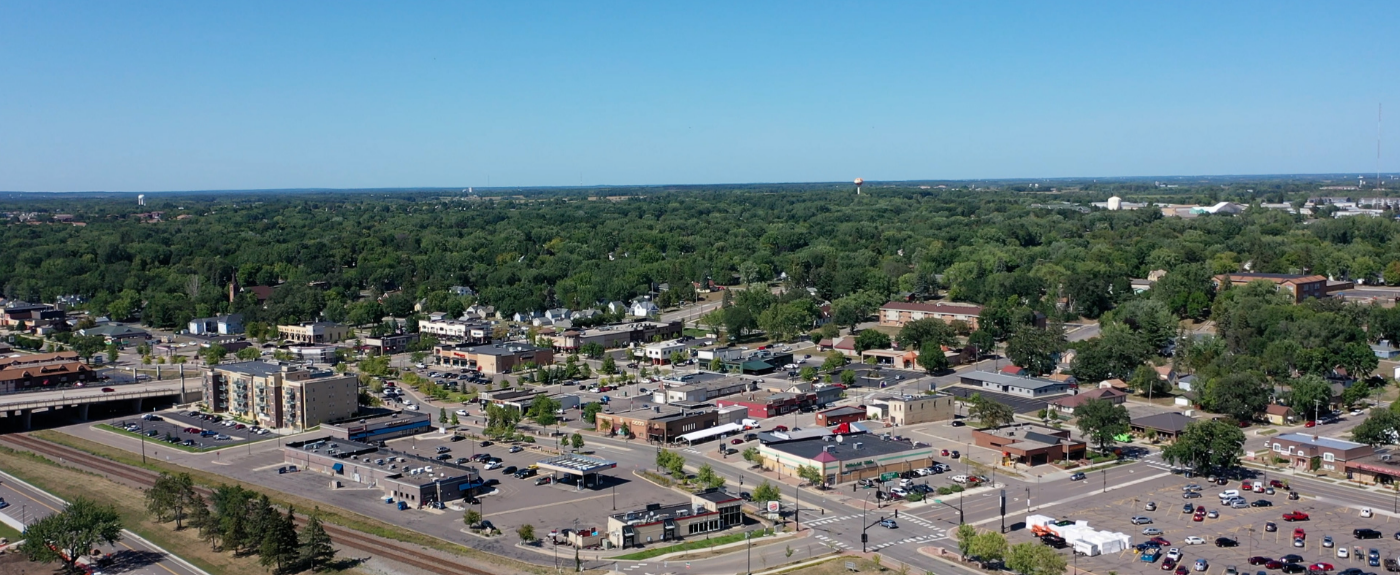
point(1329, 457)
point(1278, 448)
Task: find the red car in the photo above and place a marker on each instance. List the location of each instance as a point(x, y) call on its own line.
point(240, 426)
point(1274, 564)
point(736, 441)
point(1310, 424)
point(1295, 516)
point(1276, 484)
point(1257, 560)
point(1300, 534)
point(1246, 485)
point(107, 390)
point(1161, 541)
point(1199, 517)
point(781, 428)
point(1168, 564)
point(1320, 567)
point(1181, 570)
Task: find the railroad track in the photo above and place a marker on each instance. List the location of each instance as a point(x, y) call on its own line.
point(386, 548)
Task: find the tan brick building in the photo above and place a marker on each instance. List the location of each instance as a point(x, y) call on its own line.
point(898, 313)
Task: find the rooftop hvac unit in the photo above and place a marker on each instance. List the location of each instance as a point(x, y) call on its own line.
point(858, 445)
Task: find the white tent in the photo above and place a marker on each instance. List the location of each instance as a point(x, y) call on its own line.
point(718, 430)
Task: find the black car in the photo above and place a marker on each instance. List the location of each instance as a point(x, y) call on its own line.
point(523, 473)
point(462, 460)
point(443, 456)
point(1261, 503)
point(1226, 542)
point(1077, 477)
point(509, 469)
point(456, 438)
point(746, 496)
point(1293, 568)
point(1366, 534)
point(1291, 558)
point(958, 423)
point(486, 444)
point(490, 482)
point(1053, 541)
point(1270, 526)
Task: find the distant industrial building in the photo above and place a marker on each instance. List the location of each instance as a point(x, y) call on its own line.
point(408, 477)
point(1014, 385)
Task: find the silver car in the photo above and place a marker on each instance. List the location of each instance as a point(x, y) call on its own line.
point(1141, 520)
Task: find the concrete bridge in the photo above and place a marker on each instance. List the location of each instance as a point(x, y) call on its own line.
point(76, 402)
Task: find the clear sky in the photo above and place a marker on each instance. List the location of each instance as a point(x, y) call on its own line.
point(147, 96)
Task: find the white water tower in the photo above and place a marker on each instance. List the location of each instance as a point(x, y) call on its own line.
point(141, 199)
point(1115, 203)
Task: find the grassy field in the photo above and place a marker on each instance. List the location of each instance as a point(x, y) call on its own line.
point(9, 532)
point(335, 515)
point(69, 483)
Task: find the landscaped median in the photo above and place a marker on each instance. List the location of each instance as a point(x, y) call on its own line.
point(693, 545)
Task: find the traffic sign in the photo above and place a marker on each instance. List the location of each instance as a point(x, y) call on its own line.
point(889, 476)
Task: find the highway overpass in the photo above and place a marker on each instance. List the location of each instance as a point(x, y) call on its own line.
point(18, 410)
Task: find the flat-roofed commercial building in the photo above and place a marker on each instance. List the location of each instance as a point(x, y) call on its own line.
point(492, 358)
point(707, 512)
point(281, 396)
point(700, 387)
point(911, 409)
point(43, 371)
point(845, 458)
point(478, 332)
point(1014, 385)
point(395, 343)
point(412, 478)
point(662, 424)
point(379, 427)
point(615, 335)
point(314, 332)
point(1030, 443)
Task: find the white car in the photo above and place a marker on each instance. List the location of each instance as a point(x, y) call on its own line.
point(959, 478)
point(1174, 554)
point(1341, 552)
point(493, 465)
point(410, 406)
point(1194, 540)
point(1365, 511)
point(1357, 412)
point(1229, 494)
point(461, 412)
point(923, 471)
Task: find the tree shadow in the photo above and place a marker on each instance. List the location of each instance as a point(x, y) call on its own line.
point(127, 560)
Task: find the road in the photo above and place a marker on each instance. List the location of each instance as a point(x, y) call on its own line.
point(131, 554)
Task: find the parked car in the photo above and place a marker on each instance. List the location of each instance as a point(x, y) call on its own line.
point(1366, 533)
point(1226, 542)
point(516, 449)
point(1295, 516)
point(1194, 540)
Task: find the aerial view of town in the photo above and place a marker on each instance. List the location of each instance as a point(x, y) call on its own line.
point(713, 289)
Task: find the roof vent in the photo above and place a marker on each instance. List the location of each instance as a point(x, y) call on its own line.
point(858, 445)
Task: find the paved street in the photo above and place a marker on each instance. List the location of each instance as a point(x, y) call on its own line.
point(131, 555)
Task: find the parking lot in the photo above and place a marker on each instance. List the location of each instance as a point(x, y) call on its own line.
point(178, 425)
point(1246, 526)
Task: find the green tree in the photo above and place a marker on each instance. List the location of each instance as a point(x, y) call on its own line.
point(922, 332)
point(811, 475)
point(1035, 349)
point(279, 543)
point(314, 549)
point(88, 345)
point(590, 412)
point(751, 455)
point(213, 354)
point(1114, 354)
point(454, 421)
point(248, 354)
point(766, 492)
point(1381, 427)
point(609, 365)
point(112, 352)
point(542, 410)
point(716, 364)
point(472, 517)
point(706, 476)
point(964, 535)
point(834, 361)
point(576, 441)
point(848, 378)
point(871, 339)
point(1033, 559)
point(988, 547)
point(442, 415)
point(983, 341)
point(1240, 395)
point(989, 413)
point(170, 497)
point(1101, 421)
point(807, 373)
point(71, 533)
point(1206, 445)
point(526, 533)
point(1146, 381)
point(932, 359)
point(1309, 392)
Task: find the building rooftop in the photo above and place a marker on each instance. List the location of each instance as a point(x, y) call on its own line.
point(1319, 441)
point(1171, 422)
point(1010, 380)
point(386, 416)
point(716, 496)
point(948, 308)
point(496, 349)
point(854, 446)
point(843, 410)
point(253, 368)
point(654, 512)
point(578, 463)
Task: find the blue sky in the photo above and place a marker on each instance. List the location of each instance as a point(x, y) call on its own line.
point(154, 96)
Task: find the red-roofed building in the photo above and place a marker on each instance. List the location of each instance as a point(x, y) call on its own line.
point(1012, 370)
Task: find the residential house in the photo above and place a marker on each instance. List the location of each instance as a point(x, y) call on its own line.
point(1279, 414)
point(461, 291)
point(644, 308)
point(1069, 404)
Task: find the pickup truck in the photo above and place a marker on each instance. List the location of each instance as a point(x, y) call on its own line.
point(1295, 516)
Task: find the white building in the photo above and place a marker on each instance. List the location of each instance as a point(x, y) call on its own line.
point(660, 353)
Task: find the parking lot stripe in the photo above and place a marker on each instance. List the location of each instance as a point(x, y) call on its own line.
point(509, 511)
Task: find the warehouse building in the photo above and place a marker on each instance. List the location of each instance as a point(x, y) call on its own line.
point(406, 477)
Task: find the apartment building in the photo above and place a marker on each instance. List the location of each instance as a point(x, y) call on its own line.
point(280, 395)
point(1300, 287)
point(898, 313)
point(478, 332)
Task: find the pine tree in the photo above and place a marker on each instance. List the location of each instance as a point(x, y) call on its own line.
point(279, 542)
point(315, 550)
point(201, 519)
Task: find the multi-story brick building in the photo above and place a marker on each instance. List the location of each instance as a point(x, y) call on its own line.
point(493, 358)
point(1299, 287)
point(898, 313)
point(279, 395)
point(315, 332)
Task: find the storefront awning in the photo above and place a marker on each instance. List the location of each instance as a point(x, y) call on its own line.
point(338, 467)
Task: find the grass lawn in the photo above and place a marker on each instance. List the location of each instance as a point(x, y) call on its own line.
point(9, 532)
point(687, 546)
